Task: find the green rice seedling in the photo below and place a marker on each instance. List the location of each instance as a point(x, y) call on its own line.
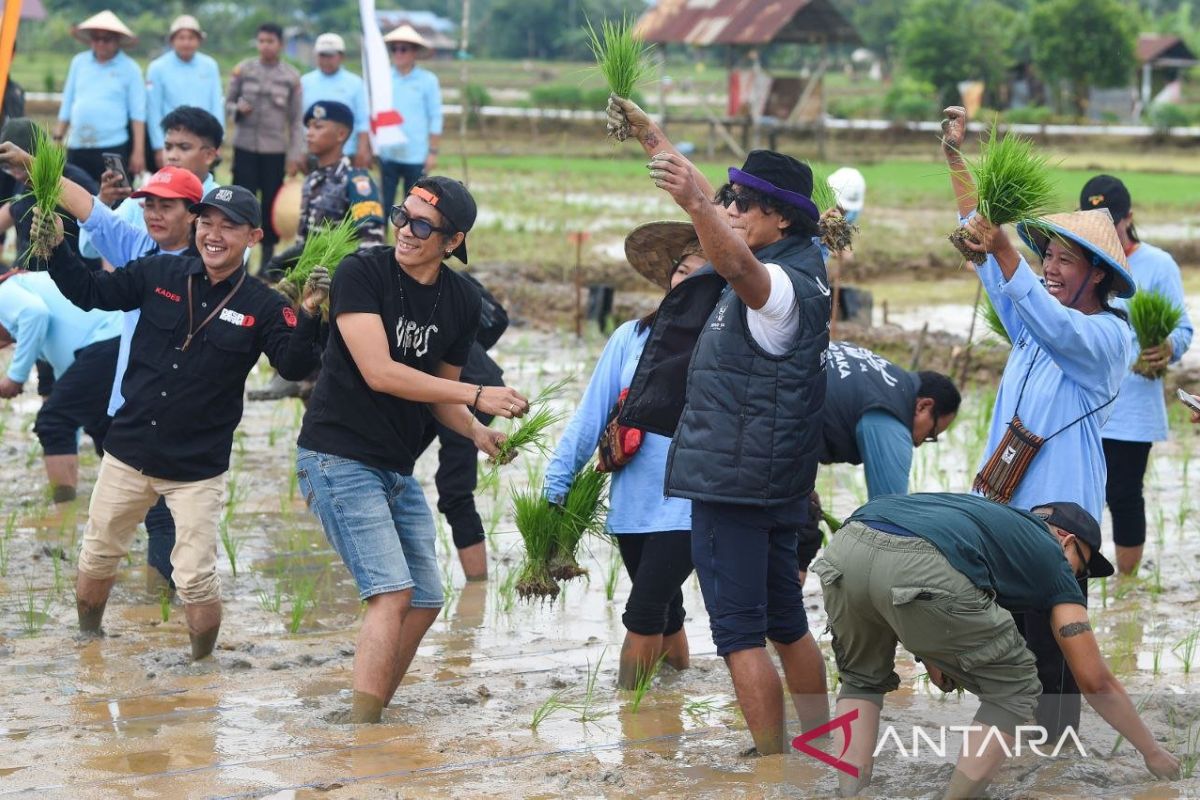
point(613, 575)
point(1185, 649)
point(1012, 184)
point(701, 708)
point(232, 544)
point(507, 590)
point(553, 703)
point(304, 593)
point(588, 713)
point(56, 561)
point(537, 523)
point(325, 247)
point(991, 318)
point(33, 614)
point(1156, 657)
point(45, 183)
point(642, 681)
point(529, 434)
point(837, 233)
point(1104, 592)
point(1153, 317)
point(833, 523)
point(271, 601)
point(583, 512)
point(623, 59)
point(164, 603)
point(10, 525)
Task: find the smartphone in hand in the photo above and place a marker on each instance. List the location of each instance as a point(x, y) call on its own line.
point(1188, 400)
point(114, 163)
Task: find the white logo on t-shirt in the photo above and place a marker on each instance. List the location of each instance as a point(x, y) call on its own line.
point(412, 336)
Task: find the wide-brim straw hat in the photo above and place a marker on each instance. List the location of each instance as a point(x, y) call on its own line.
point(408, 34)
point(654, 249)
point(105, 21)
point(1092, 230)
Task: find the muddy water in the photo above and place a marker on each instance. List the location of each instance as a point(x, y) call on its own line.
point(130, 716)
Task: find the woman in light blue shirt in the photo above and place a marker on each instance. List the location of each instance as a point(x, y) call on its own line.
point(1139, 415)
point(651, 531)
point(1071, 350)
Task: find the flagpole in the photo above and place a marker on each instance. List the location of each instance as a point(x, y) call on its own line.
point(464, 83)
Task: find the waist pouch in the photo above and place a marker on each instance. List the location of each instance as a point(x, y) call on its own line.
point(618, 443)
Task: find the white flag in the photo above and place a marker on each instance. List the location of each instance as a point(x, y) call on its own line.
point(377, 73)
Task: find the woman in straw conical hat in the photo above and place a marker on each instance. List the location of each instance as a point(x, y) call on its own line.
point(1070, 351)
point(651, 531)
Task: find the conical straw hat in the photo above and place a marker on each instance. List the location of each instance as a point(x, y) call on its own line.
point(408, 34)
point(104, 21)
point(1093, 231)
point(655, 248)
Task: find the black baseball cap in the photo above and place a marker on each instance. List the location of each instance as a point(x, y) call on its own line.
point(1106, 191)
point(1072, 518)
point(455, 202)
point(235, 202)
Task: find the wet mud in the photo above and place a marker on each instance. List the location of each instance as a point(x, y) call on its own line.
point(506, 698)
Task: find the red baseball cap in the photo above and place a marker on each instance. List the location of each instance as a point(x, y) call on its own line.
point(172, 183)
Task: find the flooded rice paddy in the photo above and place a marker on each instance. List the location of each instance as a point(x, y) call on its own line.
point(505, 698)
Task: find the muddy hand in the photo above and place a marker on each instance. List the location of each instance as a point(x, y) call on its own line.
point(673, 174)
point(49, 226)
point(1157, 357)
point(1162, 764)
point(13, 156)
point(941, 679)
point(316, 289)
point(626, 113)
point(954, 129)
point(501, 401)
point(989, 238)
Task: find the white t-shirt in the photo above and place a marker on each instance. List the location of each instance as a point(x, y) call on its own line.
point(776, 325)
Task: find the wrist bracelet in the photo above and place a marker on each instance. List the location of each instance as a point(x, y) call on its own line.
point(475, 402)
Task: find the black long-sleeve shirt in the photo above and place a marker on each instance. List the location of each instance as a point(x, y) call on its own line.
point(182, 406)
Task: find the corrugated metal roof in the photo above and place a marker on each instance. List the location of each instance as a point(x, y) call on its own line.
point(1152, 47)
point(747, 22)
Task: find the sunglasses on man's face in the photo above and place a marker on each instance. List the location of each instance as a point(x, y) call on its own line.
point(103, 38)
point(401, 48)
point(744, 202)
point(422, 229)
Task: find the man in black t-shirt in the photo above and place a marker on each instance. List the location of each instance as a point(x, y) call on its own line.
point(940, 574)
point(402, 326)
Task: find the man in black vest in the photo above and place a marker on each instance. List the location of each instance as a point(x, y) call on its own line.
point(875, 414)
point(755, 325)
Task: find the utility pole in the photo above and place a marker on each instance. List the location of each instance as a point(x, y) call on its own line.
point(464, 98)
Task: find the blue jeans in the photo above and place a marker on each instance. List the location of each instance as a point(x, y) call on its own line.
point(378, 522)
point(395, 174)
point(745, 558)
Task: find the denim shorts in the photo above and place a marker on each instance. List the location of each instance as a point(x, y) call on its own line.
point(378, 522)
point(745, 558)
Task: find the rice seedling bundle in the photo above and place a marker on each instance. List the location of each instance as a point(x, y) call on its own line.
point(837, 233)
point(45, 182)
point(1153, 316)
point(987, 312)
point(1012, 184)
point(325, 246)
point(538, 524)
point(530, 433)
point(623, 59)
point(583, 512)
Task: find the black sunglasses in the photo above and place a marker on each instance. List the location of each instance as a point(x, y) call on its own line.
point(401, 48)
point(422, 229)
point(1087, 569)
point(742, 200)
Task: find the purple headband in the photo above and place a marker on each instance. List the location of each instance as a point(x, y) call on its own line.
point(771, 190)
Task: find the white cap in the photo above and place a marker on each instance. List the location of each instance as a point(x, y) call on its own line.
point(850, 187)
point(329, 43)
point(185, 22)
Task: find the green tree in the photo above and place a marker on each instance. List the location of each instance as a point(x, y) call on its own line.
point(548, 28)
point(1083, 44)
point(944, 42)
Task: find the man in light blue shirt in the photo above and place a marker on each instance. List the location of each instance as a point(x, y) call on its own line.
point(417, 96)
point(181, 77)
point(104, 97)
point(191, 140)
point(332, 81)
point(81, 346)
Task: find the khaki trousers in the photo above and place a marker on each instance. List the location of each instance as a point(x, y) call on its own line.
point(120, 500)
